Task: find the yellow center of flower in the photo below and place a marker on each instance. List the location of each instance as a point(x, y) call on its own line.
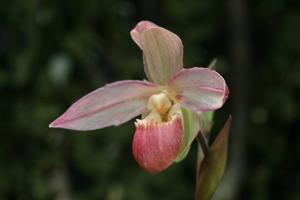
point(160, 102)
point(161, 109)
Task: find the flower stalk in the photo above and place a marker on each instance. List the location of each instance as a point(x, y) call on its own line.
point(203, 143)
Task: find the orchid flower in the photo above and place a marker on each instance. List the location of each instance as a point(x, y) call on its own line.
point(172, 96)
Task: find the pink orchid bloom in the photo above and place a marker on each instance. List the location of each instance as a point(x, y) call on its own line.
point(158, 139)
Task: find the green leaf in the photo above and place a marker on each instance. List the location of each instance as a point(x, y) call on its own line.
point(191, 128)
point(212, 167)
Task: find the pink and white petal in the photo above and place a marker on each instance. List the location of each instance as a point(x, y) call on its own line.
point(155, 146)
point(199, 89)
point(112, 104)
point(162, 50)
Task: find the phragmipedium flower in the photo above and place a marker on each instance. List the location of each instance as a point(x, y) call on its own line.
point(170, 104)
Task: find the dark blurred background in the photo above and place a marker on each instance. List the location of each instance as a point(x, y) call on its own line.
point(54, 52)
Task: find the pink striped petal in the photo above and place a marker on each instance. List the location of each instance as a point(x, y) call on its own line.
point(162, 50)
point(112, 104)
point(155, 146)
point(199, 89)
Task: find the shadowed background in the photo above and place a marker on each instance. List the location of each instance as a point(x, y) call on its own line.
point(54, 52)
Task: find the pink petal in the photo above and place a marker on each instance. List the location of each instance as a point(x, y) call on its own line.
point(155, 146)
point(162, 50)
point(199, 89)
point(112, 104)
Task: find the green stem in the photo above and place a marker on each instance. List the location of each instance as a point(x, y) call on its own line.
point(203, 152)
point(203, 143)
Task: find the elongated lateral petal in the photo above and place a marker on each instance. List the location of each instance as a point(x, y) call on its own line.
point(112, 104)
point(155, 146)
point(162, 50)
point(199, 89)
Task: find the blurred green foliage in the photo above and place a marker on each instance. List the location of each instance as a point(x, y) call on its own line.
point(53, 52)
